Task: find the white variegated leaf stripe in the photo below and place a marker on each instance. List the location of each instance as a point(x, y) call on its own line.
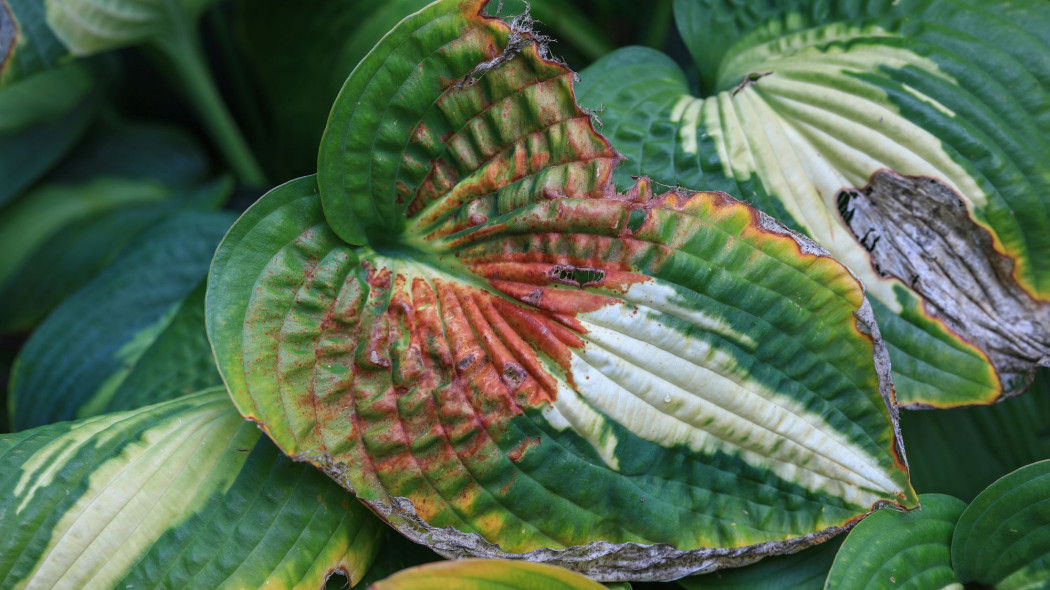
point(182, 494)
point(804, 113)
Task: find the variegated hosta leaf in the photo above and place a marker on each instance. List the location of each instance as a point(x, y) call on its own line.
point(486, 574)
point(909, 138)
point(470, 329)
point(183, 494)
point(40, 119)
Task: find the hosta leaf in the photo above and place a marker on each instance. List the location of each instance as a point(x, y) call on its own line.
point(40, 119)
point(909, 138)
point(134, 311)
point(1003, 537)
point(486, 574)
point(301, 53)
point(806, 570)
point(891, 549)
point(465, 325)
point(187, 490)
point(116, 183)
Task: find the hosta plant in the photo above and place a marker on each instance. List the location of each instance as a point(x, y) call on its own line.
point(511, 326)
point(461, 321)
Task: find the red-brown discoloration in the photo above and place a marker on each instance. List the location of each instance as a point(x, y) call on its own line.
point(523, 447)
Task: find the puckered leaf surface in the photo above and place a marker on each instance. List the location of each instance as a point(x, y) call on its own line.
point(183, 494)
point(909, 138)
point(464, 323)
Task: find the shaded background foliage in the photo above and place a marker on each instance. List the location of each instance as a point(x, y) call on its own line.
point(280, 89)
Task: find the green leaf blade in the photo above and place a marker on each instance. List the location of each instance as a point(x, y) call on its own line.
point(123, 312)
point(515, 319)
point(170, 483)
point(480, 574)
point(1002, 536)
point(818, 105)
point(905, 550)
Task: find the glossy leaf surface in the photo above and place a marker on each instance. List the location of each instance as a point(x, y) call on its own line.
point(1003, 537)
point(909, 138)
point(138, 309)
point(188, 492)
point(486, 574)
point(468, 327)
point(892, 549)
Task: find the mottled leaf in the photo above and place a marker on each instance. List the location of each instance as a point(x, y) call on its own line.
point(40, 119)
point(129, 313)
point(27, 44)
point(188, 492)
point(486, 574)
point(891, 549)
point(470, 329)
point(909, 138)
point(1003, 538)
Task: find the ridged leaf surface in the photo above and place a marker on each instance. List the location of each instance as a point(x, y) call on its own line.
point(183, 494)
point(464, 323)
point(909, 138)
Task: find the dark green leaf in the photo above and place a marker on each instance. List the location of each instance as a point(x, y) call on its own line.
point(1003, 537)
point(301, 53)
point(805, 570)
point(177, 495)
point(891, 549)
point(962, 451)
point(40, 119)
point(76, 361)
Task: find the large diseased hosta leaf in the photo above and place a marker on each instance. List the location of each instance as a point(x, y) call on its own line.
point(464, 323)
point(909, 138)
point(183, 494)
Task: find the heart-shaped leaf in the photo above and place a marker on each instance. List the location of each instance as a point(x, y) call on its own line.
point(1003, 538)
point(890, 549)
point(139, 303)
point(909, 138)
point(190, 494)
point(486, 574)
point(468, 327)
